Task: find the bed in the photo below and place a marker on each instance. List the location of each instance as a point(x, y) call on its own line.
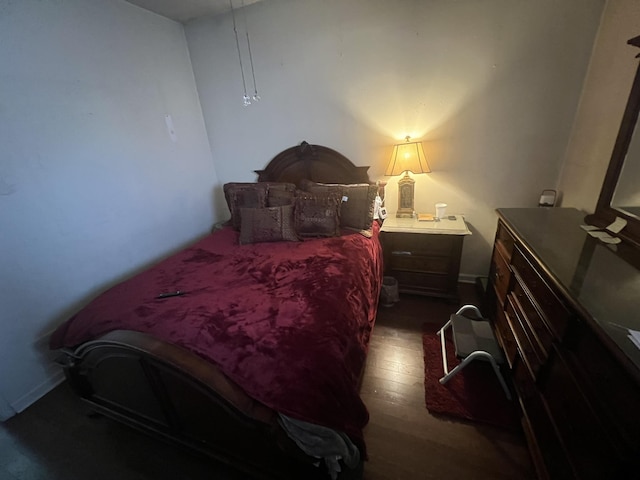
point(247, 351)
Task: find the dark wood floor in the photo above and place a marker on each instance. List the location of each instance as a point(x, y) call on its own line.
point(56, 439)
point(404, 440)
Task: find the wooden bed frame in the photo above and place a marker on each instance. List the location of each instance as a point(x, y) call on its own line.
point(173, 394)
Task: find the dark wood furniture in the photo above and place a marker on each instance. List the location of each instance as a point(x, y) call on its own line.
point(316, 162)
point(424, 257)
point(562, 303)
point(172, 393)
point(312, 162)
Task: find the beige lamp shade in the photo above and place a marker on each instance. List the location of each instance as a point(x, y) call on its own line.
point(407, 156)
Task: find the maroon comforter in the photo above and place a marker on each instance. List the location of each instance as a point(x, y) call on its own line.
point(288, 322)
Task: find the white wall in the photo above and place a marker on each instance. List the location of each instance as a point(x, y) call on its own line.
point(491, 87)
point(606, 90)
point(92, 187)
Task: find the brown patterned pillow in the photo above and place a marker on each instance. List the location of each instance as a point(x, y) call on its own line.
point(270, 224)
point(239, 195)
point(279, 194)
point(358, 202)
point(317, 214)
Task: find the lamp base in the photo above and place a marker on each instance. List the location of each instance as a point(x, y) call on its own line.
point(406, 187)
point(404, 214)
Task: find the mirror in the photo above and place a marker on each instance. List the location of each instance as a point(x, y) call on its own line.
point(620, 194)
point(626, 195)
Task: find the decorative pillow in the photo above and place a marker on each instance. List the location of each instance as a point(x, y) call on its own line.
point(317, 214)
point(270, 224)
point(279, 194)
point(239, 195)
point(358, 203)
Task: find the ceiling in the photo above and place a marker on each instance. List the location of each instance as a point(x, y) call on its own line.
point(185, 10)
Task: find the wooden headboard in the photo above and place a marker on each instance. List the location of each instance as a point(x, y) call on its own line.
point(312, 162)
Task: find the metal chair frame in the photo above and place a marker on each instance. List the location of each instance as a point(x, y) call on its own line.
point(477, 354)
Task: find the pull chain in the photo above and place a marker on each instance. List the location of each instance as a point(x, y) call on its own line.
point(245, 98)
point(256, 97)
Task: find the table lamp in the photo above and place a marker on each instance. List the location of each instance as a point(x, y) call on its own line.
point(407, 157)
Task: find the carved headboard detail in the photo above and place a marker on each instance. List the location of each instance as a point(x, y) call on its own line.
point(313, 162)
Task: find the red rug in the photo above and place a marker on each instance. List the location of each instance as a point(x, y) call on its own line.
point(473, 394)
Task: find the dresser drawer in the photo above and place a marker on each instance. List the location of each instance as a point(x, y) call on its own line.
point(504, 241)
point(505, 336)
point(580, 430)
point(528, 351)
point(552, 310)
point(615, 393)
point(524, 382)
point(541, 336)
point(500, 275)
point(545, 445)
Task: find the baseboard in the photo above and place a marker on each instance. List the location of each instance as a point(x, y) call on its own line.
point(37, 393)
point(467, 278)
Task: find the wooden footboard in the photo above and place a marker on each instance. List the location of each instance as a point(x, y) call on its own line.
point(173, 394)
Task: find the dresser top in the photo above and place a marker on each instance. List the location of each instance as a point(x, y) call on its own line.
point(444, 226)
point(601, 281)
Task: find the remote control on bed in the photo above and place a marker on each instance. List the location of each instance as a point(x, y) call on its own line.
point(171, 294)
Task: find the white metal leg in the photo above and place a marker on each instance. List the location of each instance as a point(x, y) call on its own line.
point(444, 349)
point(469, 359)
point(479, 354)
point(464, 308)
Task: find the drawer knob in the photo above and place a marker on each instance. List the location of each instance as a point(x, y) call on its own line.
point(401, 252)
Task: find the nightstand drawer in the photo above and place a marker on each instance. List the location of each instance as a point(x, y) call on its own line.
point(417, 282)
point(419, 244)
point(416, 263)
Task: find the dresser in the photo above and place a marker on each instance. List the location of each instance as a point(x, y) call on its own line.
point(424, 257)
point(563, 304)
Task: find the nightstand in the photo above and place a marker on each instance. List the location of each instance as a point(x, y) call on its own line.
point(424, 257)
